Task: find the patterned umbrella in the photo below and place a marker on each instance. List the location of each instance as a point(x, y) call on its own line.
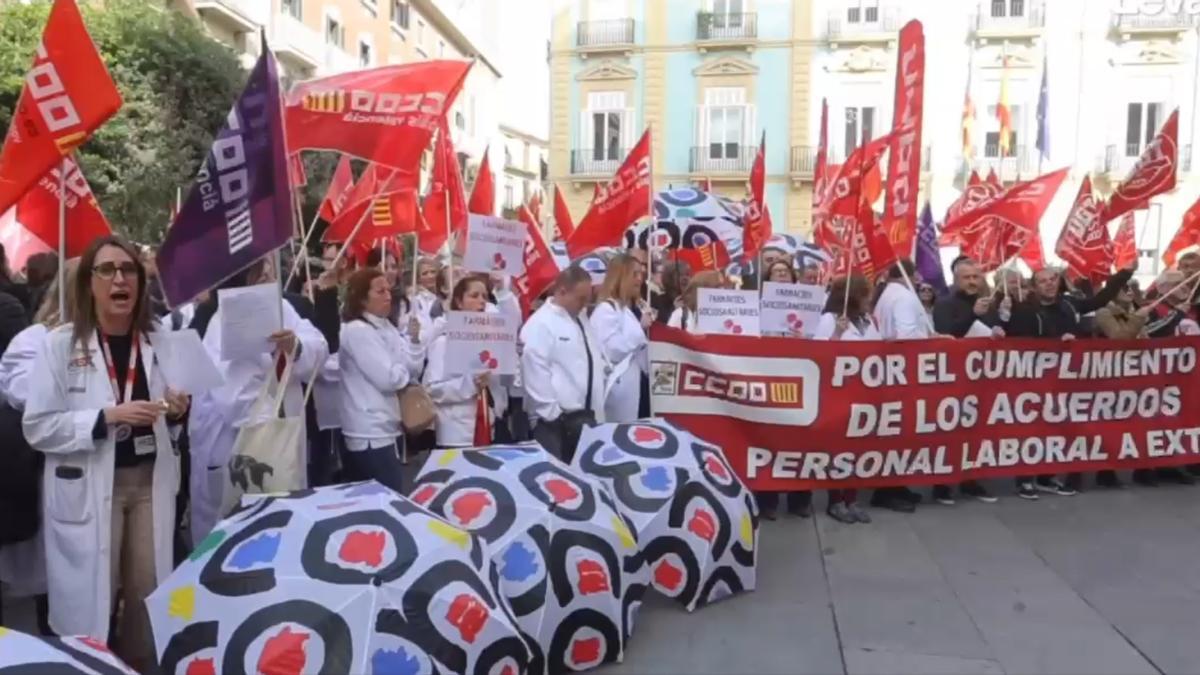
point(346, 579)
point(689, 218)
point(569, 564)
point(29, 654)
point(696, 522)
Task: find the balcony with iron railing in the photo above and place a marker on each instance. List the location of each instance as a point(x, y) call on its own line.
point(1118, 159)
point(1010, 19)
point(722, 158)
point(863, 24)
point(238, 16)
point(600, 163)
point(608, 35)
point(297, 43)
point(726, 28)
point(1018, 164)
point(1141, 23)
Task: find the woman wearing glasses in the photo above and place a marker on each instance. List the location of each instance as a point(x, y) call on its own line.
point(98, 408)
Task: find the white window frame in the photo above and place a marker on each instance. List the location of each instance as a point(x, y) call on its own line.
point(860, 138)
point(612, 106)
point(365, 40)
point(1007, 7)
point(396, 14)
point(334, 16)
point(298, 4)
point(1146, 130)
point(860, 12)
point(720, 103)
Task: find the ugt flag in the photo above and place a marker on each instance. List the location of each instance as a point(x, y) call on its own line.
point(67, 95)
point(239, 208)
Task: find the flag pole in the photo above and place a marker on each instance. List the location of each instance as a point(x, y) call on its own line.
point(449, 244)
point(312, 226)
point(416, 260)
point(650, 212)
point(62, 240)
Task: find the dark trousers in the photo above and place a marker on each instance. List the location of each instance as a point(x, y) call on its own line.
point(324, 458)
point(559, 437)
point(375, 463)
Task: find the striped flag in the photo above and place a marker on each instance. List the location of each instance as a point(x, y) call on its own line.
point(1004, 113)
point(968, 119)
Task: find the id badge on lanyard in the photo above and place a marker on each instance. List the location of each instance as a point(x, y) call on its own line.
point(123, 431)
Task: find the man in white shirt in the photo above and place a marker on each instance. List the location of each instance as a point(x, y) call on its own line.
point(562, 367)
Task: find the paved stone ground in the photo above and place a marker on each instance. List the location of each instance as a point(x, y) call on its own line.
point(1105, 582)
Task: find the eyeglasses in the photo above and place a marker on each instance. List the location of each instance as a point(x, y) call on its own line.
point(108, 270)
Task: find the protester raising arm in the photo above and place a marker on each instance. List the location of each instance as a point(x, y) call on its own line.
point(1112, 287)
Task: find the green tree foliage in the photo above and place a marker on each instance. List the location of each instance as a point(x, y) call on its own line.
point(178, 85)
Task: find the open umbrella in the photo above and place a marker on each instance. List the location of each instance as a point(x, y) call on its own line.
point(30, 654)
point(346, 579)
point(690, 218)
point(569, 564)
point(697, 523)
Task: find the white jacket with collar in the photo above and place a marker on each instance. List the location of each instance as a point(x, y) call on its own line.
point(456, 398)
point(376, 362)
point(69, 388)
point(16, 365)
point(554, 364)
point(621, 337)
point(900, 315)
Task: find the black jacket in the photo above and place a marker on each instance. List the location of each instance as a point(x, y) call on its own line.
point(21, 293)
point(1035, 319)
point(954, 314)
point(13, 319)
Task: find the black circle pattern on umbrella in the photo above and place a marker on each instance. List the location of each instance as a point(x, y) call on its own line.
point(562, 481)
point(535, 597)
point(463, 510)
point(89, 664)
point(721, 575)
point(416, 603)
point(697, 236)
point(630, 606)
point(670, 575)
point(316, 565)
point(742, 555)
point(512, 648)
point(565, 540)
point(566, 641)
point(676, 198)
point(192, 639)
point(716, 470)
point(328, 625)
point(646, 441)
point(236, 584)
point(702, 527)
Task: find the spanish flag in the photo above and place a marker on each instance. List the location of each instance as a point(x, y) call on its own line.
point(1004, 113)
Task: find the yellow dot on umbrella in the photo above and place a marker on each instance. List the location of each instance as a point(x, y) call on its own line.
point(747, 531)
point(623, 532)
point(4, 631)
point(446, 456)
point(450, 533)
point(182, 603)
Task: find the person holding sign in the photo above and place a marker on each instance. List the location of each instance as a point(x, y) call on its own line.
point(622, 336)
point(848, 317)
point(98, 408)
point(469, 403)
point(375, 362)
point(685, 316)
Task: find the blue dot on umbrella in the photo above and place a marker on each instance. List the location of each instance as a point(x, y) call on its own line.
point(507, 454)
point(612, 453)
point(519, 562)
point(394, 662)
point(261, 549)
point(656, 478)
point(367, 490)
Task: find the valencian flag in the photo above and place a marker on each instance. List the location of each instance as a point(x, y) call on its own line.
point(338, 192)
point(999, 227)
point(757, 228)
point(445, 206)
point(1153, 174)
point(483, 192)
point(1187, 236)
point(383, 115)
point(625, 199)
point(68, 94)
point(239, 208)
point(968, 115)
point(1125, 253)
point(1083, 242)
point(379, 205)
point(562, 216)
point(926, 257)
point(540, 267)
point(37, 211)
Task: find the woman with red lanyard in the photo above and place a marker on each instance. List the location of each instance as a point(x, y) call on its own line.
point(98, 408)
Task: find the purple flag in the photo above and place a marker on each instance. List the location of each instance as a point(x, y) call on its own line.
point(239, 208)
point(927, 259)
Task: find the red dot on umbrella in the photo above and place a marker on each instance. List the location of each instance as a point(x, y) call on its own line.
point(585, 651)
point(668, 576)
point(647, 435)
point(561, 491)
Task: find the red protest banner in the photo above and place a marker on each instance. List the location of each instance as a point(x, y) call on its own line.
point(799, 414)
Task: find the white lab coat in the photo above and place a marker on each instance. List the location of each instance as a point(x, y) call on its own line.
point(327, 394)
point(900, 314)
point(22, 565)
point(456, 399)
point(676, 320)
point(828, 324)
point(217, 415)
point(377, 361)
point(624, 343)
point(554, 364)
point(69, 389)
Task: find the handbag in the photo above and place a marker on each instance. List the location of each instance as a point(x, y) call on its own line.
point(418, 412)
point(267, 456)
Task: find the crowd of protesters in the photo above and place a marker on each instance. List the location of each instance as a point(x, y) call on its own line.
point(96, 440)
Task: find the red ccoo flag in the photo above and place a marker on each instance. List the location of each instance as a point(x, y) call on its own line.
point(1186, 236)
point(483, 192)
point(1153, 174)
point(384, 115)
point(37, 211)
point(1083, 243)
point(711, 256)
point(540, 268)
point(1125, 253)
point(624, 200)
point(757, 227)
point(562, 216)
point(340, 188)
point(446, 201)
point(68, 94)
point(535, 206)
point(999, 227)
point(904, 156)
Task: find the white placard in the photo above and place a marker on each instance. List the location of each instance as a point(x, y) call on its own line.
point(495, 245)
point(479, 341)
point(185, 363)
point(249, 316)
point(727, 312)
point(791, 308)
